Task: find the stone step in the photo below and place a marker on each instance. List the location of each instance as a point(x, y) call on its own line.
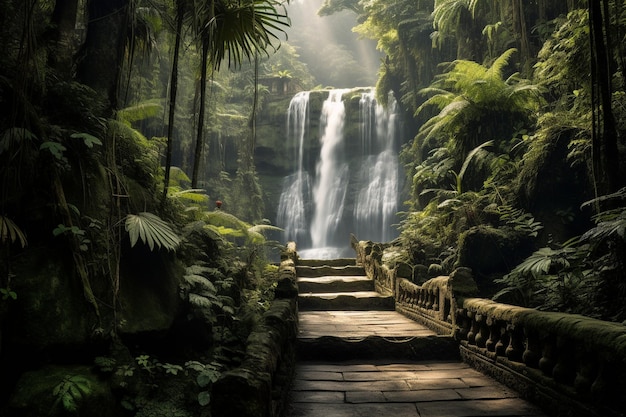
point(350, 301)
point(327, 262)
point(320, 271)
point(335, 283)
point(332, 348)
point(345, 335)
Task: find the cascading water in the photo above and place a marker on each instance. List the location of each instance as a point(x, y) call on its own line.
point(294, 198)
point(329, 191)
point(377, 200)
point(355, 185)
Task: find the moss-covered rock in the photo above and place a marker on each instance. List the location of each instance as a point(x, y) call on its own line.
point(50, 313)
point(490, 251)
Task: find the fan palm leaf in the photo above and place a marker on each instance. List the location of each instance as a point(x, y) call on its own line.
point(241, 29)
point(152, 231)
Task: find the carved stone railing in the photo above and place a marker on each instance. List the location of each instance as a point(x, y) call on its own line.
point(369, 255)
point(580, 360)
point(434, 303)
point(260, 385)
point(571, 365)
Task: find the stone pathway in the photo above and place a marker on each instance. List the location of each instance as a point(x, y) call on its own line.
point(368, 360)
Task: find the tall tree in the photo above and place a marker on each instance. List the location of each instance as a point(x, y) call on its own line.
point(235, 31)
point(103, 51)
point(180, 17)
point(605, 151)
point(63, 23)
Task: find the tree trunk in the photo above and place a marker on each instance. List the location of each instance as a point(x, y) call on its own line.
point(103, 51)
point(606, 138)
point(180, 11)
point(197, 157)
point(206, 41)
point(62, 37)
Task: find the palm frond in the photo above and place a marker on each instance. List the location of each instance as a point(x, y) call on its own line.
point(262, 228)
point(240, 30)
point(152, 230)
point(10, 231)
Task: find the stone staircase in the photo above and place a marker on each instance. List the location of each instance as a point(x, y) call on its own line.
point(356, 356)
point(342, 317)
point(340, 285)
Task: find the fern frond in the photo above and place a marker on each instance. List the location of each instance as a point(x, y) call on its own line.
point(152, 230)
point(222, 218)
point(497, 68)
point(199, 301)
point(199, 282)
point(198, 269)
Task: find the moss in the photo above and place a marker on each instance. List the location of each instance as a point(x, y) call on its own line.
point(491, 251)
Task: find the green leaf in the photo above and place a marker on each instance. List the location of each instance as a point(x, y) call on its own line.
point(88, 139)
point(204, 398)
point(55, 148)
point(10, 231)
point(152, 230)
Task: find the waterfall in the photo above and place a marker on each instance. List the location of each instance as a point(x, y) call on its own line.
point(354, 187)
point(377, 199)
point(330, 187)
point(294, 198)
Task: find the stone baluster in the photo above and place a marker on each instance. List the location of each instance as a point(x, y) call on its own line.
point(586, 374)
point(503, 341)
point(420, 297)
point(435, 305)
point(516, 345)
point(532, 353)
point(406, 294)
point(483, 331)
point(429, 299)
point(564, 371)
point(547, 361)
point(471, 334)
point(494, 334)
point(601, 389)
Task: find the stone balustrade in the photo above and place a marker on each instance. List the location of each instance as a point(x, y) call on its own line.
point(575, 356)
point(570, 364)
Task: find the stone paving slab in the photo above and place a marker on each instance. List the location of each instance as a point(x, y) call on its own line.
point(424, 389)
point(354, 324)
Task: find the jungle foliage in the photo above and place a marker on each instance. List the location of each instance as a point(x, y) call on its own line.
point(96, 154)
point(116, 117)
point(518, 111)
